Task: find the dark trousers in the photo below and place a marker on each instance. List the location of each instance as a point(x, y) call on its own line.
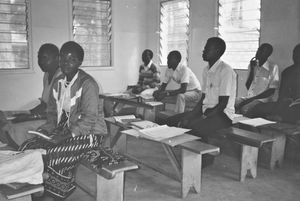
point(282, 109)
point(202, 127)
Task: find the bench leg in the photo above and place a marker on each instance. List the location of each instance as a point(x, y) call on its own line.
point(110, 189)
point(277, 153)
point(191, 172)
point(248, 162)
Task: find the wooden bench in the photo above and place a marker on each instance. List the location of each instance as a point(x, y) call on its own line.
point(110, 181)
point(250, 141)
point(187, 168)
point(22, 194)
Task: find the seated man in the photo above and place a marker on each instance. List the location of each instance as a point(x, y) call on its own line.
point(262, 82)
point(287, 107)
point(216, 108)
point(149, 75)
point(48, 57)
point(190, 89)
point(48, 61)
point(75, 122)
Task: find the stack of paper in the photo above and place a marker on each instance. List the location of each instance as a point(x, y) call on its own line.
point(159, 133)
point(256, 122)
point(143, 124)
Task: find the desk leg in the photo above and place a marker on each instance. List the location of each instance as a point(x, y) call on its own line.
point(248, 162)
point(277, 153)
point(191, 172)
point(276, 156)
point(110, 189)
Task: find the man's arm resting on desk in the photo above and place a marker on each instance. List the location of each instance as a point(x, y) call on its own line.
point(161, 93)
point(223, 100)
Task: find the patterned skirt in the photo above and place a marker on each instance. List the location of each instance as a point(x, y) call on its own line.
point(62, 159)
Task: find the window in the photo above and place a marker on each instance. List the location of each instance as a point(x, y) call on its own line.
point(92, 29)
point(14, 48)
point(239, 26)
point(174, 29)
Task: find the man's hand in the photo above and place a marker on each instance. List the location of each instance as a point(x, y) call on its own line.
point(159, 95)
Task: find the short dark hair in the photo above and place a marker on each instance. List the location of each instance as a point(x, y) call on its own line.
point(219, 43)
point(268, 47)
point(175, 54)
point(49, 47)
point(148, 51)
point(75, 47)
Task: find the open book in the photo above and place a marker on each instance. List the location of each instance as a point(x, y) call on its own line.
point(40, 134)
point(257, 122)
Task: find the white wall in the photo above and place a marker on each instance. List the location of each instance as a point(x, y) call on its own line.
point(135, 28)
point(133, 21)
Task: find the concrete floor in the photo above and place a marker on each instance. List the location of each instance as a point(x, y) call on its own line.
point(219, 181)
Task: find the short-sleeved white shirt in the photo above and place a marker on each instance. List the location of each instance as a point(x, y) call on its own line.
point(182, 74)
point(265, 77)
point(219, 80)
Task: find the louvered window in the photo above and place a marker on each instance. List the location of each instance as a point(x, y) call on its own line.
point(14, 47)
point(239, 26)
point(92, 29)
point(174, 29)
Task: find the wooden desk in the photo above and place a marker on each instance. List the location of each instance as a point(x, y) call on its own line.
point(187, 168)
point(144, 108)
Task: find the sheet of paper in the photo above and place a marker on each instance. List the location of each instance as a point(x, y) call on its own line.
point(257, 122)
point(144, 124)
point(180, 139)
point(162, 132)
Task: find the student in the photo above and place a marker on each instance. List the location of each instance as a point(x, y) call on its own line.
point(215, 110)
point(149, 75)
point(262, 82)
point(74, 117)
point(48, 61)
point(287, 107)
point(48, 58)
point(190, 89)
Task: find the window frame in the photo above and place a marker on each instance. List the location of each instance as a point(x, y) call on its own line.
point(218, 35)
point(188, 35)
point(30, 69)
point(94, 68)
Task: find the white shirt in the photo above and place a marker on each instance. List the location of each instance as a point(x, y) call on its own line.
point(219, 80)
point(265, 77)
point(180, 75)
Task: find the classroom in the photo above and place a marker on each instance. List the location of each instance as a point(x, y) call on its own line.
point(115, 42)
